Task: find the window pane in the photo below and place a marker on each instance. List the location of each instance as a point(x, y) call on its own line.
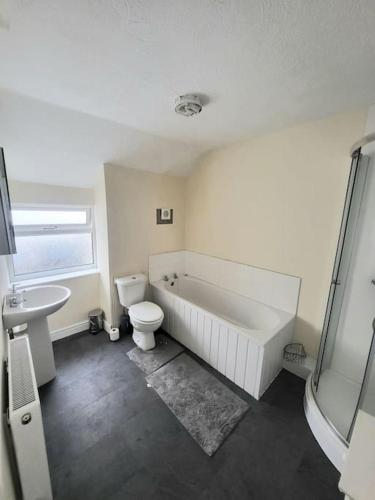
point(48, 217)
point(36, 254)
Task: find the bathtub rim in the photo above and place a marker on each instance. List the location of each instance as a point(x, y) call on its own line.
point(260, 337)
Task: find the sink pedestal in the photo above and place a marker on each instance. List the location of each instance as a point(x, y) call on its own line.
point(37, 303)
point(41, 350)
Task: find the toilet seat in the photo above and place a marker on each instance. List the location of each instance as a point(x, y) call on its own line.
point(146, 312)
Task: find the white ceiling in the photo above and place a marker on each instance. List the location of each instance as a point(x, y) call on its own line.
point(53, 145)
point(263, 64)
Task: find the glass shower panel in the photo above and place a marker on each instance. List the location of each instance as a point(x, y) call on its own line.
point(367, 400)
point(339, 373)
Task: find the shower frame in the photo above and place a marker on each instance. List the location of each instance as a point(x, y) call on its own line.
point(333, 443)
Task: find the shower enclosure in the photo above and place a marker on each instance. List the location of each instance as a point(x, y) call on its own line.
point(344, 377)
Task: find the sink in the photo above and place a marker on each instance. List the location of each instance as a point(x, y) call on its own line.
point(38, 303)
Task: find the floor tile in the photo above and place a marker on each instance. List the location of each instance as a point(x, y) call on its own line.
point(110, 436)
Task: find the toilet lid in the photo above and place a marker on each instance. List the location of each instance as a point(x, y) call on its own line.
point(147, 312)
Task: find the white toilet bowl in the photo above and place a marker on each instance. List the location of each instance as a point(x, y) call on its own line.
point(145, 317)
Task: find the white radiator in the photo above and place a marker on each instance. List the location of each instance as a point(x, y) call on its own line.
point(25, 419)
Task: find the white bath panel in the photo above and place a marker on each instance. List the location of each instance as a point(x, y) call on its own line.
point(242, 347)
point(174, 320)
point(214, 349)
point(171, 319)
point(179, 320)
point(250, 384)
point(207, 338)
point(194, 330)
point(223, 349)
point(183, 330)
point(200, 339)
point(166, 309)
point(230, 369)
point(272, 360)
point(187, 332)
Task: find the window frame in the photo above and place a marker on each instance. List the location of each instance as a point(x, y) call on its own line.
point(50, 229)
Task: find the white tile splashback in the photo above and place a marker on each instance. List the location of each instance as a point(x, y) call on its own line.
point(166, 263)
point(275, 289)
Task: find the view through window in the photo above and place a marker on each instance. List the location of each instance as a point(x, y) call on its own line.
point(52, 240)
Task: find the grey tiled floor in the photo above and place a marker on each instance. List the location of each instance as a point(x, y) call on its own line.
point(109, 436)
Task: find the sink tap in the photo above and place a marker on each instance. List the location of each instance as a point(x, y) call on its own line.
point(13, 301)
point(15, 298)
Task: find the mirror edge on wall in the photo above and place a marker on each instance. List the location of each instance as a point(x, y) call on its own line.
point(7, 239)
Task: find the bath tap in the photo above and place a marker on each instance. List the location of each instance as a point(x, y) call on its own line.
point(165, 278)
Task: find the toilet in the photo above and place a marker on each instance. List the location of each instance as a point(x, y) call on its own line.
point(146, 317)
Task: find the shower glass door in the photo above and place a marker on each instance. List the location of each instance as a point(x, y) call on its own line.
point(346, 338)
point(367, 397)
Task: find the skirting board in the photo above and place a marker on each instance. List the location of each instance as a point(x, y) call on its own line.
point(75, 328)
point(69, 330)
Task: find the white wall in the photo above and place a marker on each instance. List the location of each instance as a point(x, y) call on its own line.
point(101, 222)
point(6, 485)
point(275, 202)
point(74, 314)
point(85, 289)
point(56, 145)
point(32, 192)
point(132, 198)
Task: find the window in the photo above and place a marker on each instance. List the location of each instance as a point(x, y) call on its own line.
point(51, 240)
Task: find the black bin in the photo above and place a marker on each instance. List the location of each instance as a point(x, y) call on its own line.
point(96, 321)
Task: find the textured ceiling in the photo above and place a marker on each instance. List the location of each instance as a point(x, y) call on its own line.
point(53, 145)
point(263, 64)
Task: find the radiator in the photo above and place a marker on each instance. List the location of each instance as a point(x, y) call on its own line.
point(25, 420)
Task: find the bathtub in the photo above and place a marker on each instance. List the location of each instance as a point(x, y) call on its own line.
point(241, 338)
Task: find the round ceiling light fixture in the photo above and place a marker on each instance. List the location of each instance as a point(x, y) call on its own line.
point(188, 105)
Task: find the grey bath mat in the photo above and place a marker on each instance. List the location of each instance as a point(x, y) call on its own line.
point(149, 361)
point(205, 406)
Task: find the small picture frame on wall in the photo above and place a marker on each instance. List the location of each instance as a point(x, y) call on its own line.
point(164, 216)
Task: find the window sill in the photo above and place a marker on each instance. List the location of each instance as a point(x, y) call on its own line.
point(54, 278)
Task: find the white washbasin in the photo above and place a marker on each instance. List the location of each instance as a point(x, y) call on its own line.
point(37, 301)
